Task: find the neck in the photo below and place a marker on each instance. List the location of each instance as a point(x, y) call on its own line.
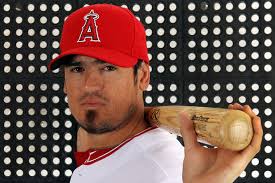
point(87, 141)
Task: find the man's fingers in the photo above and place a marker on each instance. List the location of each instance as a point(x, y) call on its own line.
point(235, 106)
point(249, 111)
point(256, 141)
point(246, 108)
point(230, 106)
point(258, 133)
point(187, 131)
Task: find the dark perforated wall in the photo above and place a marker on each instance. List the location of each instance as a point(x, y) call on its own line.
point(206, 53)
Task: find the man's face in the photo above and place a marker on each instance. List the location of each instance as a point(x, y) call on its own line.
point(101, 96)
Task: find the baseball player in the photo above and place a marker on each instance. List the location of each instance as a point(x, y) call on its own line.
point(106, 69)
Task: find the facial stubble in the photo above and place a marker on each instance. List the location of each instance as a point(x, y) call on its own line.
point(107, 126)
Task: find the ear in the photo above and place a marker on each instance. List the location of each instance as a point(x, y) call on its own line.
point(144, 76)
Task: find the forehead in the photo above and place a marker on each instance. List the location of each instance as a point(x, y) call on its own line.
point(82, 58)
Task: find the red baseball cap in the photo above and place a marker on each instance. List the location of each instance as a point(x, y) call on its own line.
point(107, 32)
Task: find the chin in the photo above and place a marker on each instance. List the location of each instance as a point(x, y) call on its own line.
point(94, 129)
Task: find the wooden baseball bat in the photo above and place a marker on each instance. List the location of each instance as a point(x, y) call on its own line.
point(224, 128)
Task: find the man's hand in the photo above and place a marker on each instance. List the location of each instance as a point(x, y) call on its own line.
point(217, 165)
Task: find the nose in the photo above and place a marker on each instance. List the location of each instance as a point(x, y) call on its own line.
point(93, 81)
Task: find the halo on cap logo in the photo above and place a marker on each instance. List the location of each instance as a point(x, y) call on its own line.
point(89, 29)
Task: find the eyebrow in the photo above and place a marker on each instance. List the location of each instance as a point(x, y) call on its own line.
point(78, 63)
point(72, 64)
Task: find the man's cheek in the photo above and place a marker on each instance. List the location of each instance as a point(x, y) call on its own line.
point(71, 102)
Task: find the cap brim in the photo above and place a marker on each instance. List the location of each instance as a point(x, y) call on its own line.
point(109, 56)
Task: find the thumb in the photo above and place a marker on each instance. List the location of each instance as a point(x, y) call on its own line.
point(187, 131)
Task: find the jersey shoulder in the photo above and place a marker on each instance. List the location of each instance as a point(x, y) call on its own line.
point(164, 151)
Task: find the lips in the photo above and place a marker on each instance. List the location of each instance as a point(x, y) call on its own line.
point(92, 103)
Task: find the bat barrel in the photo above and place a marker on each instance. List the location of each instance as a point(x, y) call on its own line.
point(224, 128)
point(238, 130)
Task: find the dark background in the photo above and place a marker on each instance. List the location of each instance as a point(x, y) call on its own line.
point(204, 53)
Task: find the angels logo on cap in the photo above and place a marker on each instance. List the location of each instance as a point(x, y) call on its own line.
point(106, 32)
point(89, 29)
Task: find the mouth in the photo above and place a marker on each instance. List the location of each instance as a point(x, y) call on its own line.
point(92, 103)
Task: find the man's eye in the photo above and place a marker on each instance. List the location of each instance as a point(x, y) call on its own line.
point(77, 69)
point(109, 68)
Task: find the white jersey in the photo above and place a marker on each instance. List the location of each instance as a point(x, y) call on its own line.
point(152, 156)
